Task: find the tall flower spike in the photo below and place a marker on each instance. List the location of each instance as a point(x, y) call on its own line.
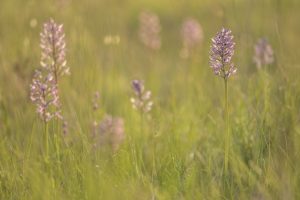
point(149, 30)
point(221, 53)
point(142, 100)
point(192, 35)
point(53, 58)
point(43, 93)
point(53, 63)
point(263, 53)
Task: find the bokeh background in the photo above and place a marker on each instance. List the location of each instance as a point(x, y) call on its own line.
point(179, 153)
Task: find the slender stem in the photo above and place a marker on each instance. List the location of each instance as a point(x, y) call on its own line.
point(265, 83)
point(142, 121)
point(46, 141)
point(57, 139)
point(266, 109)
point(227, 136)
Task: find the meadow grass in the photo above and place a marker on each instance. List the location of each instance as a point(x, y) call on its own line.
point(179, 154)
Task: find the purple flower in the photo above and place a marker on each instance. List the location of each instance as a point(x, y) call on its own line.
point(141, 101)
point(53, 46)
point(221, 53)
point(192, 35)
point(44, 87)
point(263, 53)
point(149, 30)
point(43, 93)
point(138, 87)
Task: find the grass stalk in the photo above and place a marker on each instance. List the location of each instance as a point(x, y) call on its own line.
point(46, 141)
point(227, 135)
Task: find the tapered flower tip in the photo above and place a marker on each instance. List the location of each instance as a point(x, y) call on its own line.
point(137, 86)
point(141, 101)
point(53, 46)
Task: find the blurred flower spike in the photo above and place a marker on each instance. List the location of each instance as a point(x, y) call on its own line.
point(263, 53)
point(192, 36)
point(149, 30)
point(142, 100)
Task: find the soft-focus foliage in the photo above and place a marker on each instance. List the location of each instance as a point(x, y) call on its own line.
point(110, 131)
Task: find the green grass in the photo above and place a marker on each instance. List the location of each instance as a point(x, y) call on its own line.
point(180, 153)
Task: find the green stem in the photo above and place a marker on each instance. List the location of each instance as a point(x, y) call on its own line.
point(227, 135)
point(57, 140)
point(142, 121)
point(47, 141)
point(265, 83)
point(266, 107)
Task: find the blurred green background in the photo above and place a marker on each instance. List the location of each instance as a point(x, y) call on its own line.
point(179, 154)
